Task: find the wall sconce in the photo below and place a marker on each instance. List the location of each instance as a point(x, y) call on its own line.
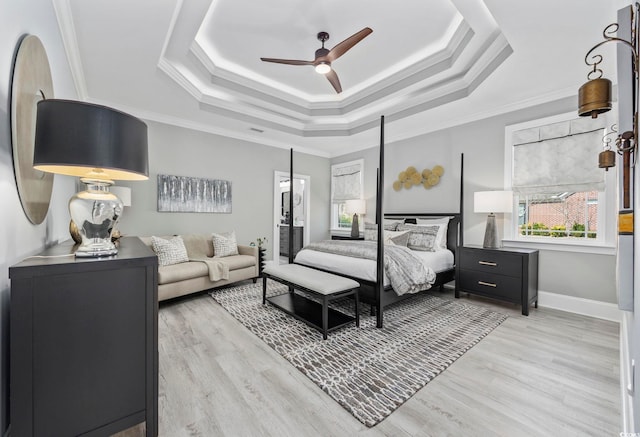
point(594, 98)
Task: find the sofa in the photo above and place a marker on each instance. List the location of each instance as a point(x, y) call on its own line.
point(203, 271)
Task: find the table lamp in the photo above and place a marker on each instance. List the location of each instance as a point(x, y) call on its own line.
point(356, 206)
point(492, 202)
point(99, 145)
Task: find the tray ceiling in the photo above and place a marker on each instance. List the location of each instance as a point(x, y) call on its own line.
point(427, 63)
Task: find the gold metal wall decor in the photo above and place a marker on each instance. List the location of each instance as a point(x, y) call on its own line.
point(410, 177)
point(594, 98)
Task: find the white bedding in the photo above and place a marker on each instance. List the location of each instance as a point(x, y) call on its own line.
point(365, 268)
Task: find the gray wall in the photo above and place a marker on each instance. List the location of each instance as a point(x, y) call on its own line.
point(250, 167)
point(18, 237)
point(584, 275)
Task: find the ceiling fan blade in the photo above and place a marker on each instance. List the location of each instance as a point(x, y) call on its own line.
point(287, 61)
point(333, 78)
point(341, 48)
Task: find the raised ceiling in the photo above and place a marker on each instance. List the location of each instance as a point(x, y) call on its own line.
point(427, 64)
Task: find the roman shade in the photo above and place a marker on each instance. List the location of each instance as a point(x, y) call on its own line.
point(558, 157)
point(346, 182)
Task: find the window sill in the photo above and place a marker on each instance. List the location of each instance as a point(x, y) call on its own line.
point(342, 231)
point(543, 244)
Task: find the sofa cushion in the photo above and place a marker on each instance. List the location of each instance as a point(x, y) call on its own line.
point(198, 245)
point(181, 272)
point(169, 251)
point(236, 262)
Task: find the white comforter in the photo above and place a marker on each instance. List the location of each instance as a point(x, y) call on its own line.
point(366, 269)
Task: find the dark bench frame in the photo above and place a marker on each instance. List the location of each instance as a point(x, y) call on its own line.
point(315, 314)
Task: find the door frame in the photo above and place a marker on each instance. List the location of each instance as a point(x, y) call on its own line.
point(276, 210)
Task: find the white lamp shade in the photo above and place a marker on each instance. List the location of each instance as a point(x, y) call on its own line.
point(356, 206)
point(493, 201)
point(123, 193)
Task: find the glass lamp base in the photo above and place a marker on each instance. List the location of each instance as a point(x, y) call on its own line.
point(95, 211)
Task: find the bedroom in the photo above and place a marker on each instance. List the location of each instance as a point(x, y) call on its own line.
point(176, 148)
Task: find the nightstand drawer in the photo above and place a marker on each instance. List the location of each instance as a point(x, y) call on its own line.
point(492, 285)
point(491, 262)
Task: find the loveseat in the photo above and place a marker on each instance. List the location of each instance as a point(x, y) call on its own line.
point(202, 271)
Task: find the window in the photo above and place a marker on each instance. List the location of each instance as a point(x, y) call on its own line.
point(560, 193)
point(559, 215)
point(346, 184)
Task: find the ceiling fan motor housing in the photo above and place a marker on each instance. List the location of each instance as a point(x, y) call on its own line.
point(323, 36)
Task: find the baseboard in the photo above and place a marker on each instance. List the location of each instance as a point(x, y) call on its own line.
point(625, 377)
point(578, 305)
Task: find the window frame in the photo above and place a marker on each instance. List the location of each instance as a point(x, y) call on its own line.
point(605, 240)
point(334, 223)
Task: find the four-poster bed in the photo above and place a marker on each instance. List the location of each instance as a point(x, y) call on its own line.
point(377, 289)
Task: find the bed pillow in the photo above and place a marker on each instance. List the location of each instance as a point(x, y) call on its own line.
point(397, 238)
point(390, 224)
point(371, 229)
point(169, 251)
point(422, 237)
point(443, 223)
point(224, 244)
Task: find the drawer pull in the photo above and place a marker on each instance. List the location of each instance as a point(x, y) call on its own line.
point(488, 284)
point(487, 263)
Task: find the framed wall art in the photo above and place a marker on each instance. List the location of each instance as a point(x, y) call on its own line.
point(189, 194)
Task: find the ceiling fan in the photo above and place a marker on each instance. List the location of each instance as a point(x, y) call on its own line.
point(324, 57)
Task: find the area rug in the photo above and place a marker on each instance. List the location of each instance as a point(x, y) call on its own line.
point(370, 372)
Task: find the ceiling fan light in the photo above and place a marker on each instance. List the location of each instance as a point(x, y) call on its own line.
point(323, 68)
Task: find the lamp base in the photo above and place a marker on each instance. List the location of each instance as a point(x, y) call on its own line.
point(95, 211)
point(491, 233)
point(355, 227)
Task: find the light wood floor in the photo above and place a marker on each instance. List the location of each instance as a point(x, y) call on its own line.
point(549, 374)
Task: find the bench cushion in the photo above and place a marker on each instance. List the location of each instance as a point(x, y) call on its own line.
point(311, 279)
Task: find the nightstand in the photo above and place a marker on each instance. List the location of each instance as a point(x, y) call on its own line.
point(508, 274)
point(346, 237)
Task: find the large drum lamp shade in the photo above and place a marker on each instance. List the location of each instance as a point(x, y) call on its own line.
point(75, 138)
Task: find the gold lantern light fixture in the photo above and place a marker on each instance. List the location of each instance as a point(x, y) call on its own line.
point(594, 97)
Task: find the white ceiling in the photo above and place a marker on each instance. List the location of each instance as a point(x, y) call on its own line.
point(427, 64)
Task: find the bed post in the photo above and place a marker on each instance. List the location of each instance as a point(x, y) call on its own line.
point(461, 242)
point(380, 222)
point(291, 206)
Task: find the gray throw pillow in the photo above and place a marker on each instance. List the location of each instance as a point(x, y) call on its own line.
point(421, 238)
point(224, 244)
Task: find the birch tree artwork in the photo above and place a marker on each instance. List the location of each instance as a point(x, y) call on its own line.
point(189, 194)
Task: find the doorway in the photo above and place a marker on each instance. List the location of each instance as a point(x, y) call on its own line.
point(299, 218)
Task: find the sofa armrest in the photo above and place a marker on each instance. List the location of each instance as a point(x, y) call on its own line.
point(251, 251)
point(248, 250)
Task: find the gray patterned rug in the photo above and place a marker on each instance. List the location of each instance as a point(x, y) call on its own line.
point(370, 372)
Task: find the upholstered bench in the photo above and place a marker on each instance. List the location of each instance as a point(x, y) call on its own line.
point(325, 286)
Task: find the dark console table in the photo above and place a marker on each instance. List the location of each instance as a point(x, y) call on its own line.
point(84, 342)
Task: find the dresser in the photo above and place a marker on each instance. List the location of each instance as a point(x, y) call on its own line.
point(284, 239)
point(84, 342)
point(508, 274)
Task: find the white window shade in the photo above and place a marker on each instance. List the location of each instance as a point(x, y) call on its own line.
point(561, 157)
point(347, 182)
